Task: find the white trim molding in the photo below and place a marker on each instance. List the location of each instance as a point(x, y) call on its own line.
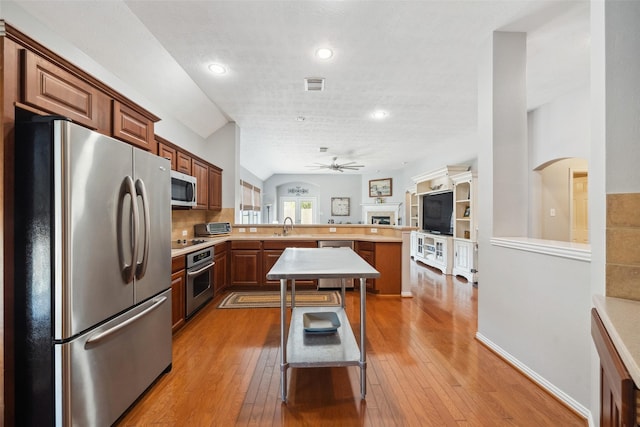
point(576, 251)
point(536, 378)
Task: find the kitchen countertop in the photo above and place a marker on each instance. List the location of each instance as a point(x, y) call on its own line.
point(621, 318)
point(252, 236)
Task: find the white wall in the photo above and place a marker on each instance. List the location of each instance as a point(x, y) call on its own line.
point(560, 129)
point(532, 307)
point(322, 186)
point(221, 150)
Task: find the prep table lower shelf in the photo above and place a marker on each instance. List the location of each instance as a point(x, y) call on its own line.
point(308, 350)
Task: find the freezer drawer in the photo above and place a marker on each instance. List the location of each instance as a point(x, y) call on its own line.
point(109, 367)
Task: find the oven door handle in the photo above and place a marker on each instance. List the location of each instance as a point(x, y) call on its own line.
point(205, 268)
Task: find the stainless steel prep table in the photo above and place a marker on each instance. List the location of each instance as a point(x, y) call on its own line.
point(302, 350)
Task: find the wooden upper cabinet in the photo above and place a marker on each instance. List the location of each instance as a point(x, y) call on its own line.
point(54, 90)
point(215, 188)
point(132, 127)
point(168, 153)
point(183, 163)
point(201, 172)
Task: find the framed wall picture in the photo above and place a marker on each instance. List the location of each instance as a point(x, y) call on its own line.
point(340, 206)
point(380, 187)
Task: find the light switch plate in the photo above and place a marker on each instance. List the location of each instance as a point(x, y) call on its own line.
point(374, 230)
point(184, 233)
point(253, 229)
point(332, 229)
point(241, 230)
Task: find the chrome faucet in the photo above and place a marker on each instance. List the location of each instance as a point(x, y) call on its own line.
point(285, 231)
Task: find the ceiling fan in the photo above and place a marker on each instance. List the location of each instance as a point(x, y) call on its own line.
point(338, 167)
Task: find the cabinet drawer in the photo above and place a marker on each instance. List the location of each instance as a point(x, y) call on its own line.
point(365, 246)
point(52, 89)
point(246, 244)
point(177, 263)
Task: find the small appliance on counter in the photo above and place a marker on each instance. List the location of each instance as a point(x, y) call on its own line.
point(212, 229)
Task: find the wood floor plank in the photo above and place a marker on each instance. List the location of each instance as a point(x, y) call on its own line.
point(424, 367)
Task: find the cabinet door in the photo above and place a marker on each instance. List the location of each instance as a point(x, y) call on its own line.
point(183, 163)
point(462, 256)
point(617, 389)
point(168, 153)
point(177, 300)
point(246, 267)
point(133, 127)
point(201, 172)
point(215, 188)
point(220, 271)
point(54, 90)
point(269, 258)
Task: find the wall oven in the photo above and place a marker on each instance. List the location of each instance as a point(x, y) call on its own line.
point(199, 286)
point(183, 190)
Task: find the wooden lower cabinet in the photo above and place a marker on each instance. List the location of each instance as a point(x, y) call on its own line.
point(386, 257)
point(617, 389)
point(272, 249)
point(177, 292)
point(220, 268)
point(246, 263)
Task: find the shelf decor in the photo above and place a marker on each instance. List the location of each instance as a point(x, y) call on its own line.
point(340, 206)
point(380, 187)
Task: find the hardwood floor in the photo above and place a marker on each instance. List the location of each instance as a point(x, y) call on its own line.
point(424, 368)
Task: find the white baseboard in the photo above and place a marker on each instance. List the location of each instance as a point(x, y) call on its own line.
point(538, 379)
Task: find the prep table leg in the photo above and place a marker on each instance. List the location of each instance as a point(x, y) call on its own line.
point(283, 344)
point(363, 331)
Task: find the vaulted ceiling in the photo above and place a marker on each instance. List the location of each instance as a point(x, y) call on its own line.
point(417, 60)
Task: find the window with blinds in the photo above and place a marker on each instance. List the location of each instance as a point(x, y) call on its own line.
point(250, 204)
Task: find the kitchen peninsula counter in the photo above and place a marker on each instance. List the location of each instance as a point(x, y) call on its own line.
point(292, 237)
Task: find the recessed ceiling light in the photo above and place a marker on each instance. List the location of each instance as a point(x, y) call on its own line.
point(324, 53)
point(217, 69)
point(379, 114)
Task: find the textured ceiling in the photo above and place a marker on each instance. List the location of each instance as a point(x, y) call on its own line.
point(415, 59)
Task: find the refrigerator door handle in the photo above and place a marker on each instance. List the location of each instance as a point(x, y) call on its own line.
point(94, 340)
point(141, 267)
point(128, 270)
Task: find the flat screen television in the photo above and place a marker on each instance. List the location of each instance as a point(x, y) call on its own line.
point(437, 210)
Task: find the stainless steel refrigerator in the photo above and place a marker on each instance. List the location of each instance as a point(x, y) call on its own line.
point(92, 274)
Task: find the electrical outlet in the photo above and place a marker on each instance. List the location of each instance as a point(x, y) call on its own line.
point(552, 212)
point(241, 230)
point(332, 229)
point(253, 230)
point(184, 233)
point(374, 230)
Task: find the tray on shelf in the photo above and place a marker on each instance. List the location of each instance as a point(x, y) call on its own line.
point(321, 322)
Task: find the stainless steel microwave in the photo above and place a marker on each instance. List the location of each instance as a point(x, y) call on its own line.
point(183, 190)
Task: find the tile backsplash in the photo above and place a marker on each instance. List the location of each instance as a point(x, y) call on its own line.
point(185, 219)
point(623, 246)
